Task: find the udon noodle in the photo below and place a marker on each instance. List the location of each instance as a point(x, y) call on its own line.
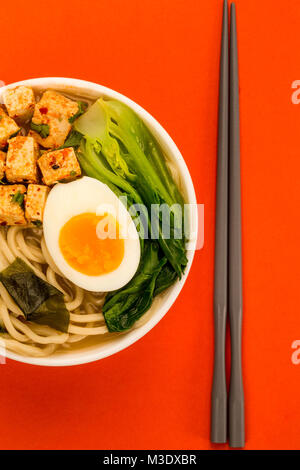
point(86, 318)
point(85, 308)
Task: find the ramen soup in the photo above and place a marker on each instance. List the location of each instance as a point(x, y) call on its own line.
point(80, 256)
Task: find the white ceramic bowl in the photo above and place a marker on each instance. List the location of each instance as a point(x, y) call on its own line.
point(89, 353)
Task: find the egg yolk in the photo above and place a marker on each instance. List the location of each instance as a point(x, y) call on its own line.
point(88, 250)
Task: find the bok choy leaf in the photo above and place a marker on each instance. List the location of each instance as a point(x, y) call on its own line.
point(129, 156)
point(119, 150)
point(123, 307)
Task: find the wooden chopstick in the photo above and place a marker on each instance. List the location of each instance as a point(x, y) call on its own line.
point(235, 300)
point(219, 393)
point(228, 253)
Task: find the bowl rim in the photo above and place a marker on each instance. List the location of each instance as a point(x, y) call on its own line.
point(161, 134)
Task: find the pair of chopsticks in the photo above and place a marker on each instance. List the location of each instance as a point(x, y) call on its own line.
point(228, 257)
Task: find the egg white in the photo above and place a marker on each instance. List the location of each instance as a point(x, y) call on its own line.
point(67, 200)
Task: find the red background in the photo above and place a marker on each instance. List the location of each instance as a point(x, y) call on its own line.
point(164, 54)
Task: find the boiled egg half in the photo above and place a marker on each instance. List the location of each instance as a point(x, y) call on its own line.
point(90, 235)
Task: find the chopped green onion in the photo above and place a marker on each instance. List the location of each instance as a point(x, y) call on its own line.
point(18, 198)
point(42, 129)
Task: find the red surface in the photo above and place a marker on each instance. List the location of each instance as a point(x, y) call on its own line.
point(164, 54)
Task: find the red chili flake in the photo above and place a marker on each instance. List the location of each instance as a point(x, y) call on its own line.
point(43, 110)
point(38, 189)
point(3, 223)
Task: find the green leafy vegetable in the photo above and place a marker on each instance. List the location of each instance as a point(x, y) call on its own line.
point(18, 198)
point(73, 140)
point(39, 301)
point(120, 149)
point(82, 106)
point(123, 307)
point(117, 148)
point(42, 129)
point(165, 279)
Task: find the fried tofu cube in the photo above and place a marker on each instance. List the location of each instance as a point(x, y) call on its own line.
point(59, 166)
point(34, 135)
point(8, 127)
point(35, 201)
point(2, 164)
point(20, 103)
point(11, 204)
point(50, 123)
point(21, 160)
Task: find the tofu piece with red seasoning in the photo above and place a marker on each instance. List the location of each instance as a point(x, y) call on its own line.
point(21, 160)
point(35, 201)
point(8, 127)
point(11, 204)
point(59, 166)
point(50, 123)
point(2, 164)
point(19, 103)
